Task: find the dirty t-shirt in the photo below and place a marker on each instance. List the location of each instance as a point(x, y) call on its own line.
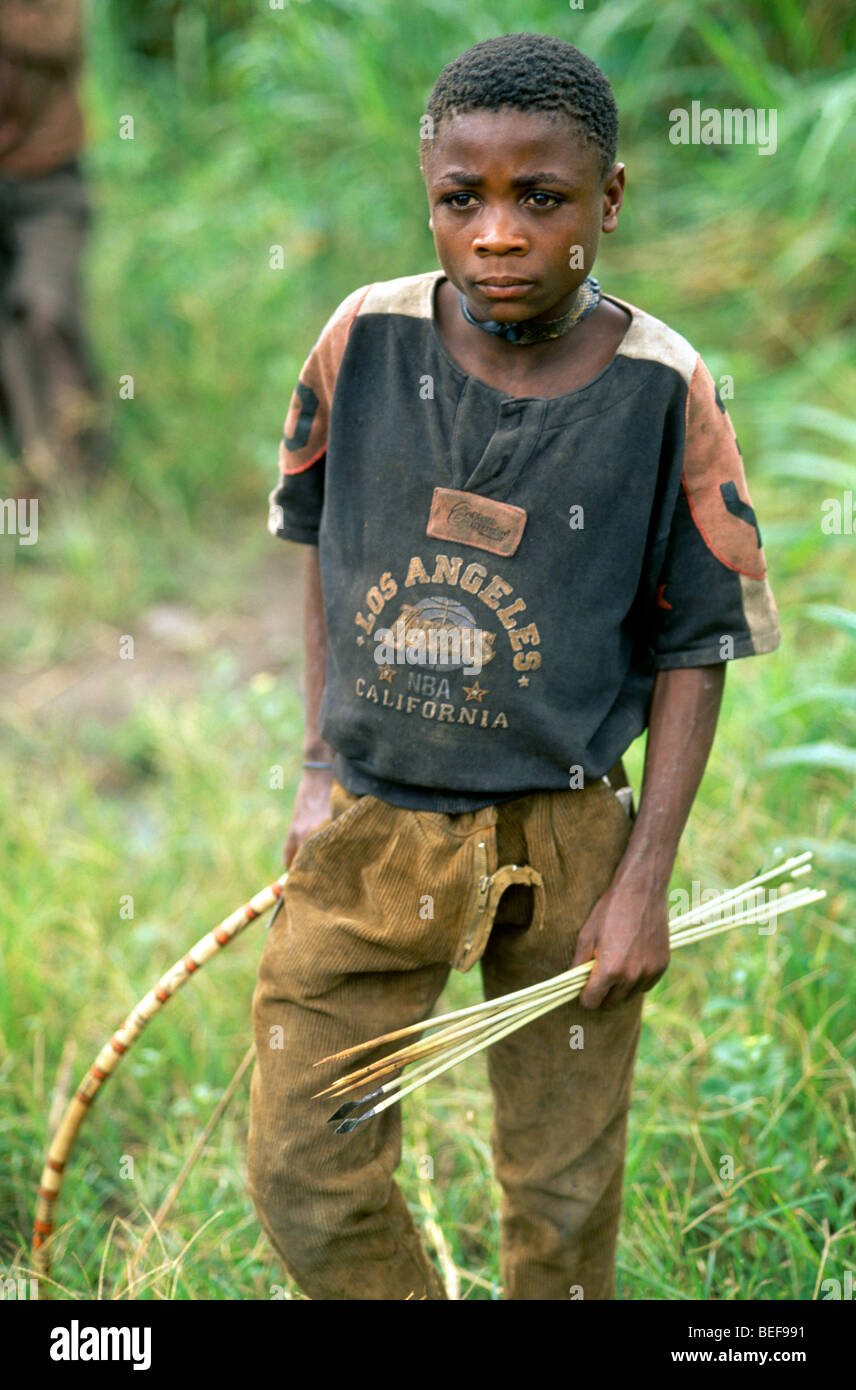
point(503, 576)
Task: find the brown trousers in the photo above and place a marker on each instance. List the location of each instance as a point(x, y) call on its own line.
point(379, 904)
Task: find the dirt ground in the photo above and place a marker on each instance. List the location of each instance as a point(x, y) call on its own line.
point(173, 647)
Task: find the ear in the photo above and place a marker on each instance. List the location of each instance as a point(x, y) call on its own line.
point(613, 197)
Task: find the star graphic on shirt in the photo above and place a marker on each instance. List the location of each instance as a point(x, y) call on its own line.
point(474, 692)
point(523, 680)
point(360, 641)
point(386, 673)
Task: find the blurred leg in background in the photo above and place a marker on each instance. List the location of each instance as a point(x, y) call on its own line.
point(48, 378)
point(50, 417)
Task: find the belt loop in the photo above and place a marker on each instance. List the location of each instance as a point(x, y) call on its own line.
point(519, 873)
point(475, 919)
point(486, 893)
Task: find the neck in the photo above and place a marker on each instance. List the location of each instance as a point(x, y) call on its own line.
point(526, 331)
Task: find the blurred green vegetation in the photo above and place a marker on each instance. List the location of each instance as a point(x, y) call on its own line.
point(257, 127)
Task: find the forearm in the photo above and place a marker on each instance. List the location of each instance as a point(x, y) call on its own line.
point(312, 802)
point(682, 723)
point(315, 659)
point(42, 35)
point(24, 95)
point(627, 932)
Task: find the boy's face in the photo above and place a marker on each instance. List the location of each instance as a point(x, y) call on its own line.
point(512, 194)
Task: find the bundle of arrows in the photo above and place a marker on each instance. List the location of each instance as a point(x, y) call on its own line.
point(456, 1036)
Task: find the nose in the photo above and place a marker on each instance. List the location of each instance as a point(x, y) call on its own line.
point(498, 234)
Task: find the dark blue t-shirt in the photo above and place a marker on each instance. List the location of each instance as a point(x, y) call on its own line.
point(503, 576)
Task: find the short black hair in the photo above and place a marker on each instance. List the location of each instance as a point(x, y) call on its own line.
point(531, 72)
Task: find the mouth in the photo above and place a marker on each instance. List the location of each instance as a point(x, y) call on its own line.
point(503, 287)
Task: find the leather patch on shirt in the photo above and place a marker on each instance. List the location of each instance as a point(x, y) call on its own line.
point(715, 483)
point(476, 520)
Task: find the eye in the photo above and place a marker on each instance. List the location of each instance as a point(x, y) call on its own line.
point(451, 200)
point(555, 200)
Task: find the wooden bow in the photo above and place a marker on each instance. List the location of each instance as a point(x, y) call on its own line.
point(114, 1050)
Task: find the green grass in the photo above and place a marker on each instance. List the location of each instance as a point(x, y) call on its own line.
point(303, 137)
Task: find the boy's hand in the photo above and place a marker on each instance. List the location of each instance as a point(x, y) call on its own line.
point(311, 809)
point(627, 934)
point(627, 930)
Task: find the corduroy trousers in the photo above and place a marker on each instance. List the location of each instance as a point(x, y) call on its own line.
point(379, 905)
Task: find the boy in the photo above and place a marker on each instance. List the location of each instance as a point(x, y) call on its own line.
point(530, 539)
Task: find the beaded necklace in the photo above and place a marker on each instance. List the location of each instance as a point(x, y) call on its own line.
point(587, 298)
